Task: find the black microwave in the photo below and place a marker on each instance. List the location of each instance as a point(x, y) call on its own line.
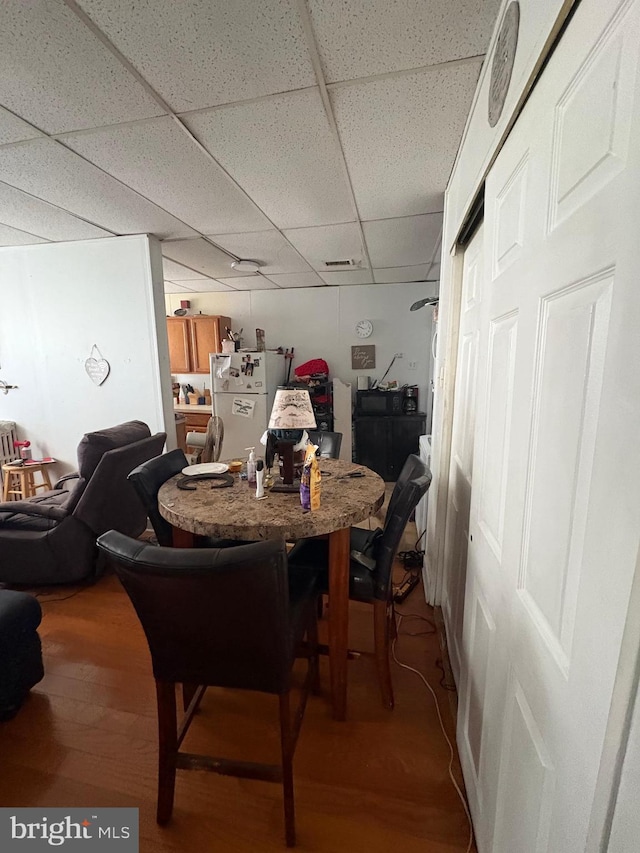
point(379, 402)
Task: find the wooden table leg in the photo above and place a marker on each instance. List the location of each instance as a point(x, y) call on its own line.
point(182, 538)
point(339, 619)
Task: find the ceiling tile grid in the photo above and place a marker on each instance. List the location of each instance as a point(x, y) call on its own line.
point(57, 75)
point(396, 275)
point(274, 253)
point(14, 129)
point(201, 256)
point(347, 277)
point(283, 154)
point(46, 169)
point(328, 243)
point(406, 241)
point(178, 272)
point(38, 217)
point(249, 282)
point(199, 53)
point(14, 237)
point(400, 136)
point(302, 279)
point(365, 37)
point(161, 162)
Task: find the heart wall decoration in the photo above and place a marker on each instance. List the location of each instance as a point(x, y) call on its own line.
point(97, 368)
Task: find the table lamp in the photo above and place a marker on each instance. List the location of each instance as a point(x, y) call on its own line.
point(292, 413)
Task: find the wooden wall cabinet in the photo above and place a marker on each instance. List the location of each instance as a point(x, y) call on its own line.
point(383, 443)
point(191, 339)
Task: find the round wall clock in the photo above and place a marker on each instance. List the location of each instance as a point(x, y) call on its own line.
point(364, 328)
point(503, 58)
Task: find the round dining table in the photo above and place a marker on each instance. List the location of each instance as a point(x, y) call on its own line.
point(234, 512)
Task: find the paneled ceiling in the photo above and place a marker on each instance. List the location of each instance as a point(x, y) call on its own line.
point(289, 132)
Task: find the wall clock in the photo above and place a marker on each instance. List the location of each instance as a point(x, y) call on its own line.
point(364, 328)
point(503, 58)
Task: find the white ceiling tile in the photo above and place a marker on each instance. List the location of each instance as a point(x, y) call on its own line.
point(301, 279)
point(173, 287)
point(31, 214)
point(249, 282)
point(328, 243)
point(13, 237)
point(209, 285)
point(347, 277)
point(163, 163)
point(13, 129)
point(56, 74)
point(49, 171)
point(270, 248)
point(365, 37)
point(201, 256)
point(406, 241)
point(178, 272)
point(400, 136)
point(394, 275)
point(283, 154)
point(198, 53)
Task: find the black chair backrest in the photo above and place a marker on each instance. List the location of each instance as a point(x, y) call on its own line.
point(108, 501)
point(147, 479)
point(328, 442)
point(395, 523)
point(412, 468)
point(211, 616)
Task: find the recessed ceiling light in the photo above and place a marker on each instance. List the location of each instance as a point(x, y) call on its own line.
point(246, 266)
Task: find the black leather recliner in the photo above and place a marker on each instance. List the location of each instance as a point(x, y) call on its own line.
point(51, 538)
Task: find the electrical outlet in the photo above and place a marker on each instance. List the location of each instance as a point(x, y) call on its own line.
point(413, 365)
point(399, 355)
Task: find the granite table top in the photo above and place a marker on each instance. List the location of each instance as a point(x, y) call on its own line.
point(235, 512)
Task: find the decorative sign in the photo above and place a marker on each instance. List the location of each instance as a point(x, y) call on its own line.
point(503, 58)
point(97, 368)
point(242, 407)
point(363, 357)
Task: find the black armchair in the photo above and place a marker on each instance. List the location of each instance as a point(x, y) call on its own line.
point(184, 600)
point(371, 567)
point(51, 538)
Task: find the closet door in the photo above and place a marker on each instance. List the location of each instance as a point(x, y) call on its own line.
point(555, 508)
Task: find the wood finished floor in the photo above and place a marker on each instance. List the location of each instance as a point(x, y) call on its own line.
point(87, 737)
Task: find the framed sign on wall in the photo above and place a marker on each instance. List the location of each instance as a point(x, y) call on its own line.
point(363, 357)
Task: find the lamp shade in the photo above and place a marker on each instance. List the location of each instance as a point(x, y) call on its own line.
point(292, 410)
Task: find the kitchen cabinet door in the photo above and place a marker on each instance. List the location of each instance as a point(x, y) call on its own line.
point(207, 333)
point(179, 334)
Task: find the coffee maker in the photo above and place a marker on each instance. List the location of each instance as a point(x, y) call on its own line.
point(410, 400)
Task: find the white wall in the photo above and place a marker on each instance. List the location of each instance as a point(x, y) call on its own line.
point(319, 322)
point(56, 301)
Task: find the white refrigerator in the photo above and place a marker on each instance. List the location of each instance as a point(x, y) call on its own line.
point(243, 386)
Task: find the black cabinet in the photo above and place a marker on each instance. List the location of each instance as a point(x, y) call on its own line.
point(383, 443)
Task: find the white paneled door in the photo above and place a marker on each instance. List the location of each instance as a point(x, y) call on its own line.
point(554, 509)
point(460, 471)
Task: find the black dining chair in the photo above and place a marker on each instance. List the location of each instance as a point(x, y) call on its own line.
point(371, 564)
point(226, 618)
point(147, 479)
point(328, 443)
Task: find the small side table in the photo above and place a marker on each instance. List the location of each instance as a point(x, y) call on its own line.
point(19, 480)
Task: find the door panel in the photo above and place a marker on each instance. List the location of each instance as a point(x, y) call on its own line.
point(460, 473)
point(554, 515)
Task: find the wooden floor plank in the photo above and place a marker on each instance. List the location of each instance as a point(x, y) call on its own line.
point(377, 782)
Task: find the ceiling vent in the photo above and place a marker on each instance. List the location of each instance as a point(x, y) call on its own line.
point(349, 263)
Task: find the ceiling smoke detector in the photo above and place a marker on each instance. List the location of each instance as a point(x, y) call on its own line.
point(246, 266)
